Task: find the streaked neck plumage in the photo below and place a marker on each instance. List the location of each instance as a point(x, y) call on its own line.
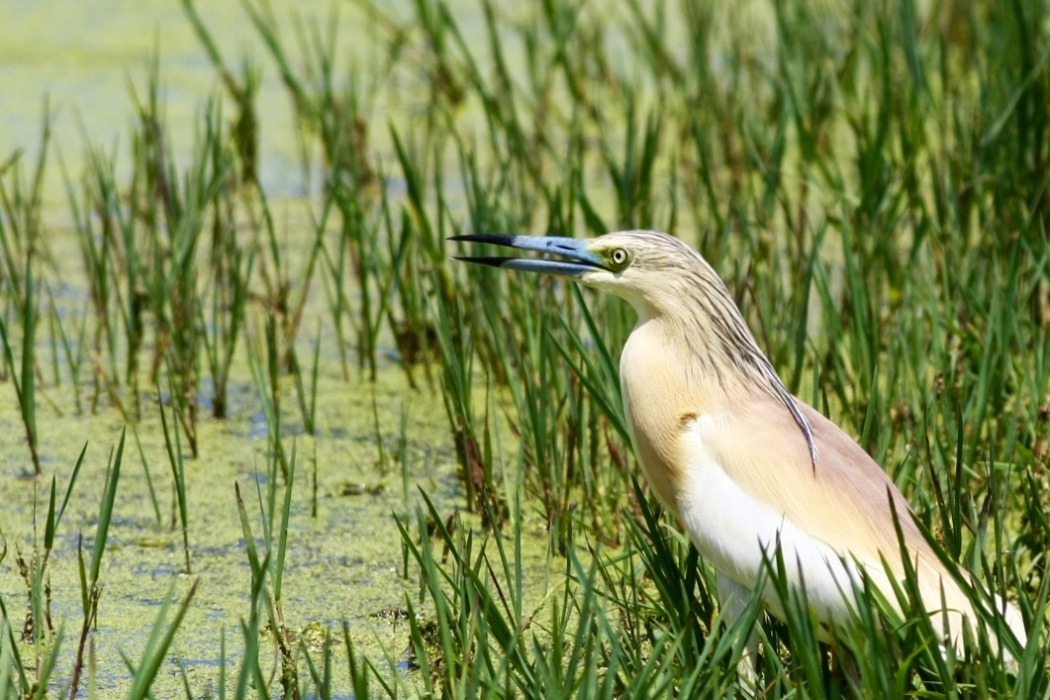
point(690, 314)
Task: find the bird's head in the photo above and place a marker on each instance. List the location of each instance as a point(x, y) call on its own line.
point(647, 268)
point(662, 278)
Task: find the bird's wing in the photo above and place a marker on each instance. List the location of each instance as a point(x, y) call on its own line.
point(844, 500)
point(843, 503)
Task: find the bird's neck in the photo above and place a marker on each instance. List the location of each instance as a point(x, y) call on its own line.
point(677, 368)
point(713, 353)
point(668, 377)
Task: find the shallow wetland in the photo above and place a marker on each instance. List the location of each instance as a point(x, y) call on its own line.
point(261, 436)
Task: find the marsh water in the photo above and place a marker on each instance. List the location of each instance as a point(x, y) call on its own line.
point(377, 444)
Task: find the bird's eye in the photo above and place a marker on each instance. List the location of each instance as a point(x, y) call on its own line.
point(619, 257)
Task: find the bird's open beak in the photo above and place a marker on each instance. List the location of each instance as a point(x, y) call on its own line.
point(580, 259)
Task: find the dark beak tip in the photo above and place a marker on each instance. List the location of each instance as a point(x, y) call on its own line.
point(482, 260)
point(496, 238)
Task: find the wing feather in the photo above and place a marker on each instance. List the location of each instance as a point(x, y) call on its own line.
point(846, 503)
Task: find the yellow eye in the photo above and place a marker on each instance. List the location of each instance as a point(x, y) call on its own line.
point(619, 257)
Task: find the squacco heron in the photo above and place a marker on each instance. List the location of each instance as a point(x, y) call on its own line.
point(745, 466)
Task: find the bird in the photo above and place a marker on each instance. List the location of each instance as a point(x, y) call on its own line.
point(748, 470)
